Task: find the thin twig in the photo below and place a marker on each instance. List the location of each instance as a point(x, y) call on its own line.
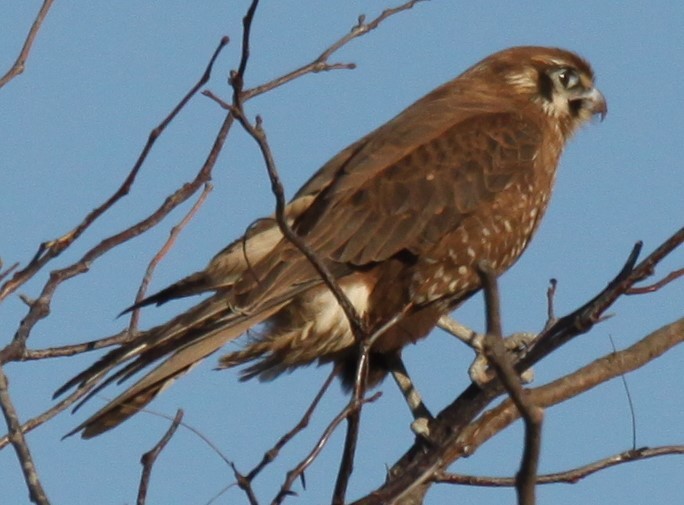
point(296, 472)
point(70, 350)
point(173, 235)
point(41, 306)
point(321, 64)
point(43, 417)
point(245, 481)
point(49, 250)
point(8, 271)
point(572, 476)
point(20, 63)
point(272, 453)
point(148, 459)
point(350, 441)
point(16, 438)
point(657, 285)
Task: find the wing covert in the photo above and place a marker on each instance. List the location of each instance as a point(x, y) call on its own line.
point(410, 204)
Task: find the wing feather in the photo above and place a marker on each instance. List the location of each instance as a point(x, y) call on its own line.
point(429, 191)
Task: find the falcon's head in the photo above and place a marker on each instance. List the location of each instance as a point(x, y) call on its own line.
point(558, 81)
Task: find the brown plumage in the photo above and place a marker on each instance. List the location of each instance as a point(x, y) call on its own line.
point(401, 218)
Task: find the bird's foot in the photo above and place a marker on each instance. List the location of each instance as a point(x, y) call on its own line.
point(421, 428)
point(479, 370)
point(517, 344)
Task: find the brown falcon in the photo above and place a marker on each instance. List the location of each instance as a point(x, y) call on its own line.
point(401, 218)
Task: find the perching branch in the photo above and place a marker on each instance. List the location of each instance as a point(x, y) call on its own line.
point(587, 377)
point(448, 432)
point(495, 351)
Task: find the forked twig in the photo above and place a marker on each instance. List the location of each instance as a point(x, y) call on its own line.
point(295, 473)
point(148, 459)
point(49, 250)
point(272, 453)
point(245, 481)
point(173, 235)
point(640, 290)
point(321, 63)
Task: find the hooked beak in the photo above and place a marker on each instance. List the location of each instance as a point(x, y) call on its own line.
point(595, 102)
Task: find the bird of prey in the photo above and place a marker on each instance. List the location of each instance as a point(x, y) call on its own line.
point(401, 219)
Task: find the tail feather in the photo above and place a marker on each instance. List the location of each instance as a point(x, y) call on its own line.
point(259, 261)
point(147, 344)
point(194, 284)
point(149, 386)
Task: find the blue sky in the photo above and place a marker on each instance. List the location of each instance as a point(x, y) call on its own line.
point(102, 75)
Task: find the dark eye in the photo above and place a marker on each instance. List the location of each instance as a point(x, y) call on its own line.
point(568, 77)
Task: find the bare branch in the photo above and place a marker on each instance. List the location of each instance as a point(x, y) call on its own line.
point(148, 459)
point(572, 476)
point(49, 414)
point(355, 406)
point(272, 453)
point(70, 350)
point(657, 285)
point(584, 318)
point(16, 438)
point(40, 308)
point(578, 382)
point(496, 354)
point(450, 424)
point(20, 63)
point(321, 64)
point(173, 235)
point(245, 481)
point(50, 250)
point(298, 471)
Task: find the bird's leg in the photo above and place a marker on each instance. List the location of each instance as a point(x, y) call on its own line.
point(479, 371)
point(421, 414)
